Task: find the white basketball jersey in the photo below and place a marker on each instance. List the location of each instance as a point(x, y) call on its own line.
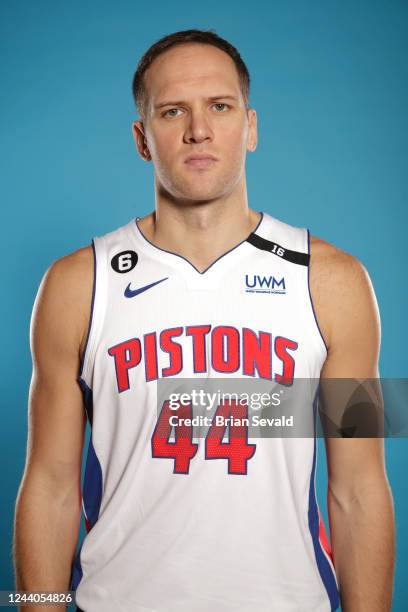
point(183, 523)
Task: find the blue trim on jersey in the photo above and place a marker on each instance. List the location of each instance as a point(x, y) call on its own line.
point(92, 488)
point(76, 572)
point(310, 295)
point(92, 485)
point(185, 259)
point(88, 399)
point(81, 366)
point(323, 564)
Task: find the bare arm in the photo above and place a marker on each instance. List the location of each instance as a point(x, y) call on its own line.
point(360, 503)
point(48, 506)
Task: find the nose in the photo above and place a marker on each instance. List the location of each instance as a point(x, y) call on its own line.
point(198, 128)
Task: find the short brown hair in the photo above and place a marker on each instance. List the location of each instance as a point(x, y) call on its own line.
point(207, 37)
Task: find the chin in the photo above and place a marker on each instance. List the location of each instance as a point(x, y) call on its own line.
point(202, 189)
point(200, 195)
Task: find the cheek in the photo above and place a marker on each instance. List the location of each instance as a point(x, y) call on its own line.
point(232, 139)
point(162, 144)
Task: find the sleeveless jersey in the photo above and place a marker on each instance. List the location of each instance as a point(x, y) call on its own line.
point(182, 524)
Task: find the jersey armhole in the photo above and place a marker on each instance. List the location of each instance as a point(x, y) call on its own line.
point(321, 340)
point(96, 314)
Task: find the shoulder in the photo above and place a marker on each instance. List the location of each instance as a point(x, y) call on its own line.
point(340, 286)
point(334, 263)
point(63, 302)
point(70, 275)
point(71, 267)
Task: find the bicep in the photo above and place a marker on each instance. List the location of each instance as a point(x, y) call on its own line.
point(56, 415)
point(355, 462)
point(355, 328)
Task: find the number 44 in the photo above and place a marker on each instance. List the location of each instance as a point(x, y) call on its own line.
point(237, 450)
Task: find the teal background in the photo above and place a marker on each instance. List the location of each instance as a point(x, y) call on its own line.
point(329, 82)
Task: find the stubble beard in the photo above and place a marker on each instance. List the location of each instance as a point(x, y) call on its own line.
point(204, 186)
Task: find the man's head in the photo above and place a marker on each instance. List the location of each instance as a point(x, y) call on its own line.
point(191, 90)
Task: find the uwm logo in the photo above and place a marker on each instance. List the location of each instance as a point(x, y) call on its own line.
point(264, 284)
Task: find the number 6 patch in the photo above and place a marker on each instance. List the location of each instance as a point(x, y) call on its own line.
point(124, 261)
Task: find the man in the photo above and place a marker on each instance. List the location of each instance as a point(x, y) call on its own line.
point(176, 521)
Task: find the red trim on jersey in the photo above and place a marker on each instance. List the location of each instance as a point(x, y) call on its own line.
point(324, 541)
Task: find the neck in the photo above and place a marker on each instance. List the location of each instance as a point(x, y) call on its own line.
point(200, 231)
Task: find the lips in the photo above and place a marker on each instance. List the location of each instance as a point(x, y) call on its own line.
point(200, 160)
point(197, 159)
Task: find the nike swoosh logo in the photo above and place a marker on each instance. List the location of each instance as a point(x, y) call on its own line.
point(129, 293)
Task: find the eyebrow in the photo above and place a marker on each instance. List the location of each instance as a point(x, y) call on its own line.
point(181, 102)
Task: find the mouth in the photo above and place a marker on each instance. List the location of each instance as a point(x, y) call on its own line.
point(200, 161)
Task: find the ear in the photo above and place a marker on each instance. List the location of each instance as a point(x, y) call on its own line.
point(252, 139)
point(139, 136)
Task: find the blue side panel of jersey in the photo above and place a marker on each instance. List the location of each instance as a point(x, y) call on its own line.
point(92, 486)
point(323, 564)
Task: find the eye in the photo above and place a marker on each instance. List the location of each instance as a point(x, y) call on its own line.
point(171, 112)
point(222, 104)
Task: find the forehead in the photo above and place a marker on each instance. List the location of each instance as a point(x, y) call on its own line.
point(190, 69)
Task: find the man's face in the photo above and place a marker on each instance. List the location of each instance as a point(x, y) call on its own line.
point(195, 107)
